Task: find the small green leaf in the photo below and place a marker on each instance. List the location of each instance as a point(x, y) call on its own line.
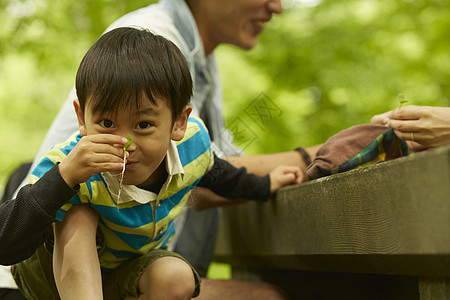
point(127, 144)
point(401, 100)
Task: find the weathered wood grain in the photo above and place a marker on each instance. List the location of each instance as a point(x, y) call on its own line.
point(390, 218)
point(434, 288)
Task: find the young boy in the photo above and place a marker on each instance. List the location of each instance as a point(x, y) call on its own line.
point(130, 83)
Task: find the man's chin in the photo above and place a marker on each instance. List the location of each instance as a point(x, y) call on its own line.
point(247, 45)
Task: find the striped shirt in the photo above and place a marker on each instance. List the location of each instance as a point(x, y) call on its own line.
point(142, 220)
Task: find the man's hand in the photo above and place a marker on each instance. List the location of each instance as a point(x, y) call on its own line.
point(381, 119)
point(93, 154)
point(426, 125)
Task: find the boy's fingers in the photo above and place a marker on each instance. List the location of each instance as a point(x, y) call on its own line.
point(299, 178)
point(107, 139)
point(111, 144)
point(296, 175)
point(109, 149)
point(291, 178)
point(106, 158)
point(291, 174)
point(112, 167)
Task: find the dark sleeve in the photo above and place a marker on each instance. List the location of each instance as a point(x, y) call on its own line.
point(230, 182)
point(26, 220)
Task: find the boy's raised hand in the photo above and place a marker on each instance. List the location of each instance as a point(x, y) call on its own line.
point(93, 154)
point(283, 176)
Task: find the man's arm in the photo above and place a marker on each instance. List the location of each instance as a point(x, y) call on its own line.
point(263, 164)
point(75, 260)
point(26, 220)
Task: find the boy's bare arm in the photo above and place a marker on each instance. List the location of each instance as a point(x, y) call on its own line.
point(75, 261)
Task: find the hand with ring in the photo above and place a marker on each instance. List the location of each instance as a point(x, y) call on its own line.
point(428, 126)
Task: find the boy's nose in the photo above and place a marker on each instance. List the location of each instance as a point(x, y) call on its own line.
point(132, 147)
point(132, 144)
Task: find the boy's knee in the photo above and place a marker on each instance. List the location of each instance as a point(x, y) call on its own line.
point(170, 275)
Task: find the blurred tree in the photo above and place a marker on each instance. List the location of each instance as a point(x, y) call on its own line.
point(335, 64)
point(41, 44)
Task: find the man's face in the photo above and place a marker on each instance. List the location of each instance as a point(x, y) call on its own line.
point(150, 128)
point(239, 22)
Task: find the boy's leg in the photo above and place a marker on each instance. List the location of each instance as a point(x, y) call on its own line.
point(166, 278)
point(159, 271)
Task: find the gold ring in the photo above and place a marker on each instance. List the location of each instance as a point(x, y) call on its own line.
point(412, 136)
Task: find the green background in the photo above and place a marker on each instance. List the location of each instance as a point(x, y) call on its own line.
point(320, 67)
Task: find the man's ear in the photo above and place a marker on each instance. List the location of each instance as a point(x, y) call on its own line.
point(180, 124)
point(80, 117)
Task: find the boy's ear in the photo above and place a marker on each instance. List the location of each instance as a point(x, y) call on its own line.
point(80, 117)
point(180, 124)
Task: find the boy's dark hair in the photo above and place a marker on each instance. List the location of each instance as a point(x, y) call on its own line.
point(127, 64)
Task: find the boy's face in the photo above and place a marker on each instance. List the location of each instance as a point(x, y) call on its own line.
point(150, 128)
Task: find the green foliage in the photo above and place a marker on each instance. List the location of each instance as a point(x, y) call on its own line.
point(41, 45)
point(315, 71)
point(334, 65)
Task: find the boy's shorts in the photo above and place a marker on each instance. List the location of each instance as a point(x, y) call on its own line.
point(35, 279)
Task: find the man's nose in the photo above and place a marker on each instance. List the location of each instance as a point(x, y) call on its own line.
point(275, 6)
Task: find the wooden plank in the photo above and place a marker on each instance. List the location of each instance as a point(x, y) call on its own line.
point(434, 288)
point(377, 219)
point(330, 285)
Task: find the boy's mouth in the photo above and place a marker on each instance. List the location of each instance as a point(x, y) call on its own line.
point(131, 164)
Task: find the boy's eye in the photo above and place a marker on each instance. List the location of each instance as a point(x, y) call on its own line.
point(107, 123)
point(143, 125)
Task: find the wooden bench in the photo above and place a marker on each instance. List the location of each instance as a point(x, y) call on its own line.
point(380, 232)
